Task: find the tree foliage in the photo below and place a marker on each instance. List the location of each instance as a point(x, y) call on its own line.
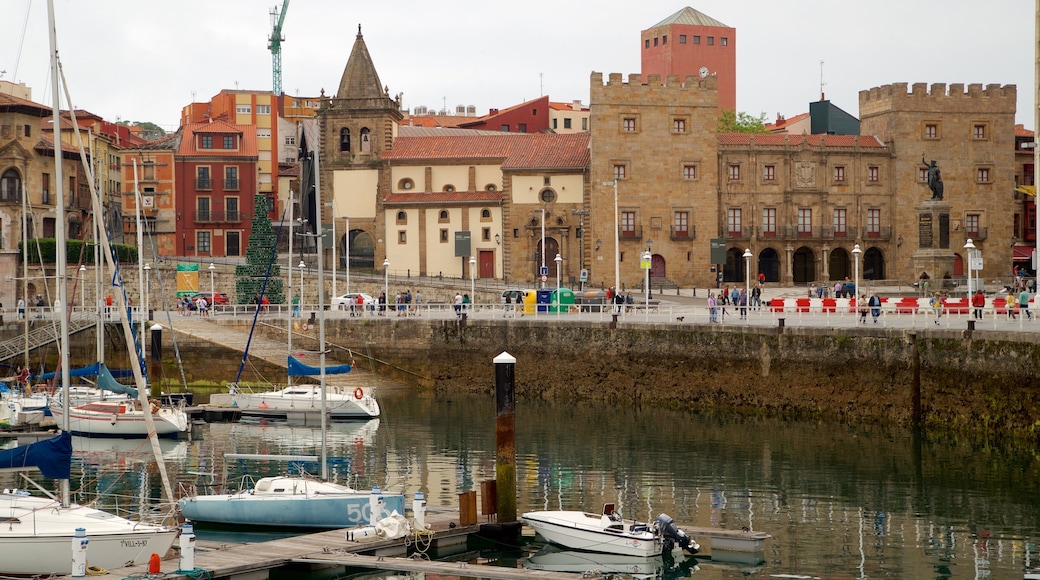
point(76, 250)
point(150, 130)
point(733, 122)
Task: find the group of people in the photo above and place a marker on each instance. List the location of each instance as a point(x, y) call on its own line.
point(187, 304)
point(462, 304)
point(736, 297)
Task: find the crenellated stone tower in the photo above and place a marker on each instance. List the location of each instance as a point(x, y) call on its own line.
point(659, 137)
point(356, 126)
point(970, 134)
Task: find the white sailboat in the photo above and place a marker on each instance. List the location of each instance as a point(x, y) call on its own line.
point(38, 531)
point(297, 501)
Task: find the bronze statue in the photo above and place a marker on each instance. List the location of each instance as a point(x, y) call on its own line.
point(935, 182)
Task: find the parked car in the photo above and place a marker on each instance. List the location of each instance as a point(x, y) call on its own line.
point(218, 299)
point(343, 302)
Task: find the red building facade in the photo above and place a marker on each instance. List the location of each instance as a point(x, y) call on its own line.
point(216, 169)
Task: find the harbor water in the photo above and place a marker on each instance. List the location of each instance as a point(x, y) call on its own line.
point(838, 500)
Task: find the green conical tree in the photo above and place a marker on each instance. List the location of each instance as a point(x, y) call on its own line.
point(261, 253)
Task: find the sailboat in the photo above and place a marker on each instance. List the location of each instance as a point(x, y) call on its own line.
point(297, 501)
point(37, 531)
point(122, 417)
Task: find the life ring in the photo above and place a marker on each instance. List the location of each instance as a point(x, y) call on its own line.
point(155, 406)
point(359, 393)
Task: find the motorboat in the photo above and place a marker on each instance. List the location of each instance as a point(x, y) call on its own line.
point(552, 558)
point(121, 418)
point(608, 532)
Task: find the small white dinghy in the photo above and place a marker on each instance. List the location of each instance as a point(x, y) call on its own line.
point(609, 533)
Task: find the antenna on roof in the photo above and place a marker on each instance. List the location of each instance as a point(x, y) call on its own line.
point(822, 84)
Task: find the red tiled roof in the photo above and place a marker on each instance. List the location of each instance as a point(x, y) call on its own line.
point(779, 125)
point(501, 112)
point(785, 139)
point(246, 148)
point(512, 150)
point(1021, 131)
point(444, 197)
point(10, 101)
point(45, 144)
point(566, 107)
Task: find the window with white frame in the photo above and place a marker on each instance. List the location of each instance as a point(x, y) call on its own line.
point(689, 172)
point(769, 221)
point(628, 224)
point(971, 225)
point(873, 222)
point(243, 109)
point(682, 224)
point(628, 124)
point(840, 230)
point(203, 241)
point(263, 109)
point(733, 225)
point(678, 125)
point(982, 175)
point(619, 171)
point(804, 221)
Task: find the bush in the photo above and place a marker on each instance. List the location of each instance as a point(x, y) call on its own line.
point(76, 251)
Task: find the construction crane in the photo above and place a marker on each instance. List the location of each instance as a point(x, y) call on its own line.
point(274, 44)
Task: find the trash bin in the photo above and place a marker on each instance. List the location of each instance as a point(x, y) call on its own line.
point(562, 300)
point(544, 299)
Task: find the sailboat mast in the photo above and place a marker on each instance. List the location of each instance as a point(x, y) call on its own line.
point(140, 263)
point(321, 317)
point(25, 270)
point(59, 231)
point(292, 307)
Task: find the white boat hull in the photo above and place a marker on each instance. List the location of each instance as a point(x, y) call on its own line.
point(584, 531)
point(340, 402)
point(85, 421)
point(36, 537)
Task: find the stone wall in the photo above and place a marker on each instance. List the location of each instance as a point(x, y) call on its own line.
point(983, 382)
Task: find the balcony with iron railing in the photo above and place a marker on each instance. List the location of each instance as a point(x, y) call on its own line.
point(231, 184)
point(229, 217)
point(743, 233)
point(882, 233)
point(201, 184)
point(687, 233)
point(631, 233)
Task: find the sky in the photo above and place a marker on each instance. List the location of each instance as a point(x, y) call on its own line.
point(144, 60)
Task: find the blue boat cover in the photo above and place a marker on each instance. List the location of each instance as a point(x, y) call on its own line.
point(106, 378)
point(53, 456)
point(298, 369)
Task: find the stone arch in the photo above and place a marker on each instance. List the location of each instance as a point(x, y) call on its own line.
point(362, 250)
point(839, 265)
point(804, 265)
point(734, 268)
point(873, 264)
point(769, 264)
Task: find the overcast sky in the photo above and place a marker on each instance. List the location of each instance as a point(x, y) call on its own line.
point(143, 60)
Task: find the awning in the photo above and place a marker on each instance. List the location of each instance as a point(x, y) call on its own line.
point(1029, 190)
point(1022, 253)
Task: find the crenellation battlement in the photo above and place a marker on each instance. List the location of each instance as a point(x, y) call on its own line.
point(635, 81)
point(938, 97)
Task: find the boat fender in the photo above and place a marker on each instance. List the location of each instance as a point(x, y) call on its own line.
point(358, 534)
point(155, 406)
point(154, 564)
point(359, 393)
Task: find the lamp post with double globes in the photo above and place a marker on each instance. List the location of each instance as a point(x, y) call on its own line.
point(855, 256)
point(559, 298)
point(472, 281)
point(386, 281)
point(747, 279)
point(969, 251)
point(82, 286)
point(647, 259)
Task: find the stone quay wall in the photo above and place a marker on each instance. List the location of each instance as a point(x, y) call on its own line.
point(969, 381)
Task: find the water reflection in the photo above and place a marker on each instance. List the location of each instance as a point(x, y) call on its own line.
point(839, 500)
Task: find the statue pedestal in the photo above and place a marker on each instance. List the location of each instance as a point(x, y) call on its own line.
point(933, 257)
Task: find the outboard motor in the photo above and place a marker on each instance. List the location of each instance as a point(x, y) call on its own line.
point(672, 535)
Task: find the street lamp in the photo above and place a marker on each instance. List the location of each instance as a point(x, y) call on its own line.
point(969, 248)
point(212, 287)
point(647, 258)
point(301, 266)
point(855, 256)
point(541, 251)
point(82, 287)
point(559, 297)
point(617, 242)
point(747, 278)
point(472, 280)
point(346, 251)
point(649, 250)
point(386, 280)
point(147, 287)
